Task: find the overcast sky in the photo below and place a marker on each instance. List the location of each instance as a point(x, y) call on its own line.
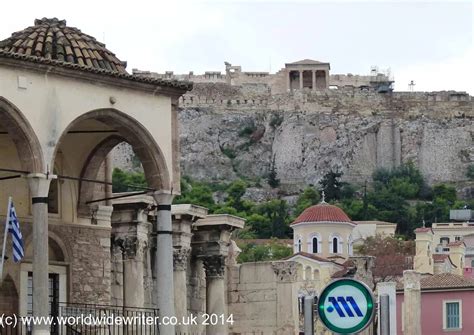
point(428, 42)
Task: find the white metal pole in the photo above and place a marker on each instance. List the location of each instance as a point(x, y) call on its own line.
point(2, 261)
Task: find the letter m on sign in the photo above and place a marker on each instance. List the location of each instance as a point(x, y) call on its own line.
point(345, 306)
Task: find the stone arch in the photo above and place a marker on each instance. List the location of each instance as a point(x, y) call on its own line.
point(91, 168)
point(308, 273)
point(133, 132)
point(8, 296)
point(23, 135)
point(58, 252)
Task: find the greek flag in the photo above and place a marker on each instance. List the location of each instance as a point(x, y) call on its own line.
point(14, 229)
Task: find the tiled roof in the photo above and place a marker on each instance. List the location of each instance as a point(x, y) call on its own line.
point(442, 281)
point(323, 212)
point(52, 39)
point(51, 42)
point(455, 243)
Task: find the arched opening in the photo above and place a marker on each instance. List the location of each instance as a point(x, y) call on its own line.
point(21, 134)
point(315, 243)
point(298, 245)
point(335, 243)
point(8, 297)
point(308, 273)
point(59, 258)
point(99, 132)
point(19, 150)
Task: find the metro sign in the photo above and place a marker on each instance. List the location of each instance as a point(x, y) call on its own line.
point(346, 306)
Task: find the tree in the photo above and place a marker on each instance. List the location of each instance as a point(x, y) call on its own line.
point(308, 198)
point(331, 185)
point(470, 172)
point(392, 255)
point(273, 181)
point(123, 181)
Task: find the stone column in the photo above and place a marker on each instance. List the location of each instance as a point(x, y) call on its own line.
point(39, 188)
point(389, 288)
point(133, 272)
point(301, 79)
point(164, 290)
point(287, 296)
point(215, 293)
point(412, 303)
point(313, 74)
point(180, 261)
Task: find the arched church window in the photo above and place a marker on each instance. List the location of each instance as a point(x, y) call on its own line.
point(298, 245)
point(315, 245)
point(335, 243)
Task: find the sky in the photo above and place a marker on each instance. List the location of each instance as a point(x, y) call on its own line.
point(430, 43)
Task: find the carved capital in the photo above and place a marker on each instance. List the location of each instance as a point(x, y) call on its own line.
point(132, 247)
point(180, 258)
point(214, 266)
point(286, 271)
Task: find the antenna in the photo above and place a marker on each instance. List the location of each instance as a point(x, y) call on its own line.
point(411, 85)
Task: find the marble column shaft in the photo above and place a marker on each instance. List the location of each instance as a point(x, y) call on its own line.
point(39, 188)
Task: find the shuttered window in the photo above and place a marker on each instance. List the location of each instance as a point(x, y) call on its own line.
point(452, 315)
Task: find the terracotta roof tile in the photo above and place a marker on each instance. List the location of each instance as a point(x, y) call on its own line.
point(455, 243)
point(323, 212)
point(440, 258)
point(442, 281)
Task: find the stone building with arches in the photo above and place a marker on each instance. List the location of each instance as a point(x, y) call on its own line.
point(65, 102)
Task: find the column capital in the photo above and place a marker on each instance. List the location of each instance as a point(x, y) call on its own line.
point(286, 271)
point(131, 246)
point(180, 258)
point(214, 266)
point(163, 197)
point(39, 184)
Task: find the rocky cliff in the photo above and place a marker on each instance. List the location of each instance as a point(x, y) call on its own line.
point(229, 132)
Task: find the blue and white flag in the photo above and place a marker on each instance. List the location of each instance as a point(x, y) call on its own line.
point(17, 238)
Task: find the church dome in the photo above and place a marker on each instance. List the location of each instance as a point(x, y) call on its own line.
point(51, 39)
point(322, 212)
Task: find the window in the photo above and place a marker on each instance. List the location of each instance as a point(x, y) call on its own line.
point(335, 244)
point(315, 245)
point(452, 313)
point(457, 238)
point(298, 245)
point(444, 241)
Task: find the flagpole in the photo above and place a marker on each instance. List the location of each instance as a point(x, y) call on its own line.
point(5, 239)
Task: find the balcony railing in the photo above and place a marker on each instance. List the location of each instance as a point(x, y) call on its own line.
point(92, 319)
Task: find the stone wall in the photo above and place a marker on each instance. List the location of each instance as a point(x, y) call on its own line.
point(263, 298)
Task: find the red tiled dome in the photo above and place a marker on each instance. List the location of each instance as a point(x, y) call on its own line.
point(322, 213)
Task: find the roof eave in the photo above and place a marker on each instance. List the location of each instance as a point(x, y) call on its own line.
point(174, 88)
